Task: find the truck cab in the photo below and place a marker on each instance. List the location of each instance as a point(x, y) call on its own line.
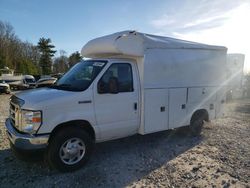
point(101, 96)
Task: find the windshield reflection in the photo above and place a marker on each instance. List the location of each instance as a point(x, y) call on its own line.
point(80, 76)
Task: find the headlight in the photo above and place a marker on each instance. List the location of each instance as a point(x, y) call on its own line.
point(30, 121)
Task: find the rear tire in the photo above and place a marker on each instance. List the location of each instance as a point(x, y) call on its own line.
point(197, 122)
point(196, 126)
point(69, 149)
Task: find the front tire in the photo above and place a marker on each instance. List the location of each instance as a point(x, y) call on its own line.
point(69, 149)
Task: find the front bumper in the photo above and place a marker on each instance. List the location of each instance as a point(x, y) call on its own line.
point(25, 141)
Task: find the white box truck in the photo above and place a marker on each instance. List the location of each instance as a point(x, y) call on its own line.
point(235, 75)
point(131, 83)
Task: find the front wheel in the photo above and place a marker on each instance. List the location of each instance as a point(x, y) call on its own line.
point(69, 149)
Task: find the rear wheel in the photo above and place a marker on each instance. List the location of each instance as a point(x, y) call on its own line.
point(196, 127)
point(69, 149)
point(197, 122)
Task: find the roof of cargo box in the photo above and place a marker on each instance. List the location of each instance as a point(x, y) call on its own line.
point(132, 43)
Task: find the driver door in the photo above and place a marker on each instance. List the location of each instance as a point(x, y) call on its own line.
point(116, 109)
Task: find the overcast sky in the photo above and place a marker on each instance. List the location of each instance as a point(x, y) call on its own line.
point(70, 24)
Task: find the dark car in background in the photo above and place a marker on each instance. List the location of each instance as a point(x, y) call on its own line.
point(4, 87)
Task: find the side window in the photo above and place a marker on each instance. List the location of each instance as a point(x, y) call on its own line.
point(118, 78)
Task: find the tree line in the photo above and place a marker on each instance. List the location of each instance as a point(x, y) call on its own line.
point(27, 58)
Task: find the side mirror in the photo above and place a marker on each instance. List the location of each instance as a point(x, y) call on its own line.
point(113, 85)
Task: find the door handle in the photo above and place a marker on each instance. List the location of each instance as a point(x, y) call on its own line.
point(84, 102)
point(135, 106)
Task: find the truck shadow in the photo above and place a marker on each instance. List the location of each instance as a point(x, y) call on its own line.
point(113, 164)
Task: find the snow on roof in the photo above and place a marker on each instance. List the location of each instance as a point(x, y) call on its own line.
point(133, 43)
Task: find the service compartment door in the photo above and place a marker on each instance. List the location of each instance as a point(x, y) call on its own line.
point(201, 94)
point(220, 102)
point(202, 98)
point(177, 107)
point(156, 110)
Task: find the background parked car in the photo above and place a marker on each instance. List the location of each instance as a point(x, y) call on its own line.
point(4, 87)
point(47, 81)
point(30, 81)
point(24, 82)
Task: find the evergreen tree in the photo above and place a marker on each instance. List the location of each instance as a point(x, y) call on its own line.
point(47, 52)
point(74, 58)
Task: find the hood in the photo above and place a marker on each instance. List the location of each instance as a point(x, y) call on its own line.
point(43, 97)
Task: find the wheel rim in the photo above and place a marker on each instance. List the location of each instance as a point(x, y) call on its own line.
point(72, 151)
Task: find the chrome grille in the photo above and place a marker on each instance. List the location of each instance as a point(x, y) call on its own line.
point(15, 115)
point(15, 111)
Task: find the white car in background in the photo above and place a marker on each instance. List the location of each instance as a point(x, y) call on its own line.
point(24, 82)
point(4, 87)
point(45, 82)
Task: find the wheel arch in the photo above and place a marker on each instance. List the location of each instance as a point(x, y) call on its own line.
point(83, 124)
point(200, 113)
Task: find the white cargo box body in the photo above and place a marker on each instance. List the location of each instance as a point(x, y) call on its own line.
point(176, 76)
point(167, 62)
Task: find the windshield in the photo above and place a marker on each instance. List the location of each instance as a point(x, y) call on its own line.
point(80, 76)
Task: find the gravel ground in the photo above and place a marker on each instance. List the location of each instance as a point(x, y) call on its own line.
point(220, 157)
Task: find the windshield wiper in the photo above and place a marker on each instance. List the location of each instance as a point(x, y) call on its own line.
point(67, 87)
point(61, 86)
point(64, 85)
